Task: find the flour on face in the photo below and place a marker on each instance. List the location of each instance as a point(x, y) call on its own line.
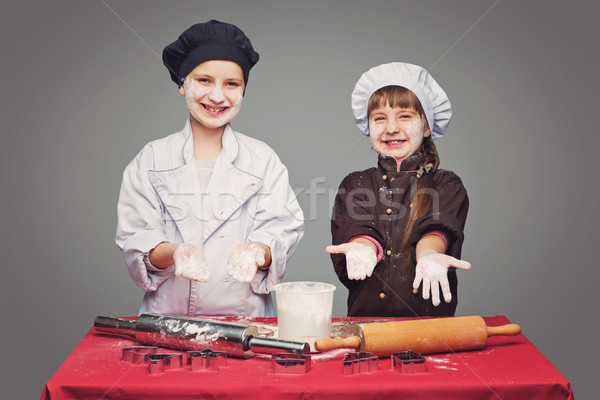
point(214, 92)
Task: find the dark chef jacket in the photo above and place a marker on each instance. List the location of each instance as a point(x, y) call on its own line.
point(376, 202)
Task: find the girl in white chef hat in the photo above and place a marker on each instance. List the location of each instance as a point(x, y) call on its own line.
point(398, 227)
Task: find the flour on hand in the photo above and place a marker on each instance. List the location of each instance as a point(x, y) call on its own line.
point(432, 270)
point(360, 259)
point(190, 263)
point(244, 261)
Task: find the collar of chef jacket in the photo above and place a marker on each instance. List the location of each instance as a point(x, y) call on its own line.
point(390, 165)
point(231, 184)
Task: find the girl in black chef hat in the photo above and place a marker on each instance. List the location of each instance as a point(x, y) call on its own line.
point(206, 216)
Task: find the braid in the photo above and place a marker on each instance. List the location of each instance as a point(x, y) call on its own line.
point(423, 201)
point(430, 154)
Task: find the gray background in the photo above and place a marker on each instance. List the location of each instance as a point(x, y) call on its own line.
point(83, 90)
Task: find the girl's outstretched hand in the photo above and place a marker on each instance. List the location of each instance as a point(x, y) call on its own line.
point(190, 263)
point(432, 269)
point(244, 260)
point(360, 258)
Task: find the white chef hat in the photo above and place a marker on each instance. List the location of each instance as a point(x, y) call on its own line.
point(434, 100)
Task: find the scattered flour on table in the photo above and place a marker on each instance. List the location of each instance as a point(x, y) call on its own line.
point(441, 363)
point(438, 360)
point(445, 367)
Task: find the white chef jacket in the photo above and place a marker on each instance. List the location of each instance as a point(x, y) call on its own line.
point(248, 198)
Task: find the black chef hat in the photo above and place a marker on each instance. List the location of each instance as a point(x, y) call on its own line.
point(212, 40)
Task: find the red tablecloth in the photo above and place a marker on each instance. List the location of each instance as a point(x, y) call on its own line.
point(508, 368)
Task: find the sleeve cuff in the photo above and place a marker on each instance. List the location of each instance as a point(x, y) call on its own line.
point(151, 267)
point(439, 234)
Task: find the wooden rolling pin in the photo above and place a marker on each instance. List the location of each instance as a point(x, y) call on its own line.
point(436, 335)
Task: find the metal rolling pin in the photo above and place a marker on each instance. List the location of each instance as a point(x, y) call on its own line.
point(185, 333)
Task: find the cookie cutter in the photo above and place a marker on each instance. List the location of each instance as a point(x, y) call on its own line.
point(408, 362)
point(160, 362)
point(207, 360)
point(290, 363)
point(359, 362)
point(136, 354)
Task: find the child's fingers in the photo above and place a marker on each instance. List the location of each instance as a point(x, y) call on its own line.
point(426, 287)
point(417, 281)
point(336, 249)
point(362, 273)
point(260, 259)
point(259, 256)
point(464, 265)
point(445, 285)
point(456, 263)
point(435, 293)
point(351, 267)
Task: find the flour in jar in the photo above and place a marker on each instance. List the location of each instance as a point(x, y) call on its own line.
point(304, 311)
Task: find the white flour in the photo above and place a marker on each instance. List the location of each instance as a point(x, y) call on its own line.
point(242, 262)
point(441, 363)
point(304, 311)
point(192, 268)
point(201, 334)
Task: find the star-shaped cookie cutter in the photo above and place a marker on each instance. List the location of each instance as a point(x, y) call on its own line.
point(160, 362)
point(207, 360)
point(136, 354)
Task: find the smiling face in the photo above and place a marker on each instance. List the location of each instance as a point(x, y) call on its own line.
point(214, 92)
point(396, 131)
point(397, 123)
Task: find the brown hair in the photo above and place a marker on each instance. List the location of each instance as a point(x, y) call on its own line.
point(398, 96)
